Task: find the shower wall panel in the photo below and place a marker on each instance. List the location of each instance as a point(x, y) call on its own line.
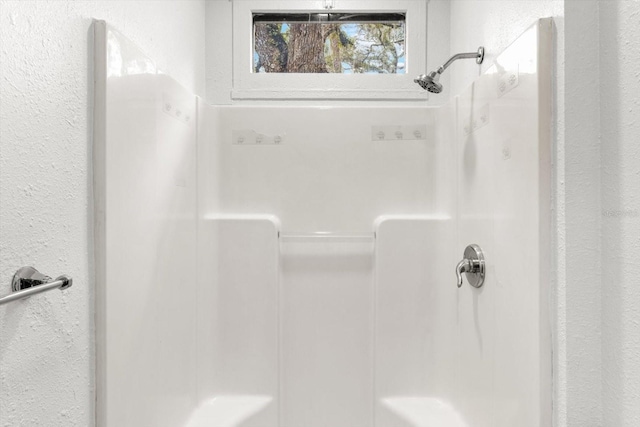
point(438, 354)
point(329, 172)
point(416, 341)
point(145, 236)
point(325, 188)
point(327, 328)
point(504, 206)
point(238, 354)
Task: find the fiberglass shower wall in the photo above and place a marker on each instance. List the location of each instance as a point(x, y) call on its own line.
point(145, 213)
point(292, 236)
point(298, 271)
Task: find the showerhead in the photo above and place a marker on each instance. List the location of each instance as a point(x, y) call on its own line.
point(430, 81)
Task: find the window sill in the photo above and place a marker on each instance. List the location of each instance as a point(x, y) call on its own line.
point(363, 94)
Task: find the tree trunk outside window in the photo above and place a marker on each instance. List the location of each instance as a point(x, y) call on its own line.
point(272, 49)
point(306, 49)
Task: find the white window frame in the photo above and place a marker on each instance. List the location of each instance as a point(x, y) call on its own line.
point(261, 86)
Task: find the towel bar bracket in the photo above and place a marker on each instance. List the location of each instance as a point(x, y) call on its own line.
point(28, 281)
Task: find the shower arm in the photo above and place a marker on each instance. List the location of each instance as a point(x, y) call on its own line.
point(479, 57)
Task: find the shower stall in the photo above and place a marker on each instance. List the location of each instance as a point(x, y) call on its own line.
point(295, 266)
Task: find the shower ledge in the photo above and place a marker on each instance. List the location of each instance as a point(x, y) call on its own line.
point(325, 234)
point(227, 411)
point(424, 411)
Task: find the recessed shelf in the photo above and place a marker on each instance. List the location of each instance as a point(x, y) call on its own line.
point(327, 235)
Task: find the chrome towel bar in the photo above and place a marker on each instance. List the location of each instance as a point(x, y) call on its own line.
point(28, 281)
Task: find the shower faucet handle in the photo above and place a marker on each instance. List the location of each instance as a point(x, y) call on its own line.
point(472, 265)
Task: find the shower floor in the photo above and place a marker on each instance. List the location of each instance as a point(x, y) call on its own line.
point(234, 411)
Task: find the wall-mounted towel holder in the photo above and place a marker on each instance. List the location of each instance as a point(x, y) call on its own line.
point(28, 281)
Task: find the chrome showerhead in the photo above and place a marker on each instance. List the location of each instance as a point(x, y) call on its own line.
point(430, 81)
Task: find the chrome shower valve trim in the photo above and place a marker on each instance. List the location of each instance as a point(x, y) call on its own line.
point(473, 266)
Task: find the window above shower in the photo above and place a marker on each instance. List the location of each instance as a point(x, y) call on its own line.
point(340, 49)
point(340, 43)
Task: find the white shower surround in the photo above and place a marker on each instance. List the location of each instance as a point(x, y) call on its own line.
point(248, 348)
point(174, 38)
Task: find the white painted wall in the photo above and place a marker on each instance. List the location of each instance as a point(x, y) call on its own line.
point(47, 342)
point(620, 133)
point(578, 294)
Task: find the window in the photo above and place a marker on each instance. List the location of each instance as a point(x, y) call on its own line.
point(341, 43)
point(356, 50)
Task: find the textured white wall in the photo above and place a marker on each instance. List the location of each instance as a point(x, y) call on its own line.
point(578, 368)
point(620, 137)
point(47, 342)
